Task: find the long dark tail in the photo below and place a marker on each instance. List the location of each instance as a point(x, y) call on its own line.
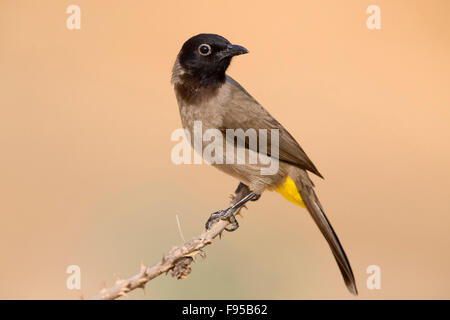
point(315, 209)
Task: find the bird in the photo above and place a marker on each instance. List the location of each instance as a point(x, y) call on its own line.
point(205, 93)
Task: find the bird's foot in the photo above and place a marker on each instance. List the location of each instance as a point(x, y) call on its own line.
point(227, 214)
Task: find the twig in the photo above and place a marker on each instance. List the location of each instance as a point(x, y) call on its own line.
point(178, 260)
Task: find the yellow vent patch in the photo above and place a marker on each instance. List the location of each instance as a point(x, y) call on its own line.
point(290, 192)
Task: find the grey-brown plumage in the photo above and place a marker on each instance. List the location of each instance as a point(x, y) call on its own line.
point(205, 93)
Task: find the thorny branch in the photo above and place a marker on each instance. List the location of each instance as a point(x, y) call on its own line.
point(178, 260)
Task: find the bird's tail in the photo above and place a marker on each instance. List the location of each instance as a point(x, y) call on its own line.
point(305, 196)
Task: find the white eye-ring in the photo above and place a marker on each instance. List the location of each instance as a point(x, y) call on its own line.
point(204, 49)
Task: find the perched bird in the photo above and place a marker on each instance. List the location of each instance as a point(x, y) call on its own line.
point(206, 93)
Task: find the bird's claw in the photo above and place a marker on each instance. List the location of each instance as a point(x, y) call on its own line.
point(213, 218)
point(223, 215)
point(233, 224)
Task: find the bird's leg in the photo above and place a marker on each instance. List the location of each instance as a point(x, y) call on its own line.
point(228, 214)
point(241, 191)
point(242, 196)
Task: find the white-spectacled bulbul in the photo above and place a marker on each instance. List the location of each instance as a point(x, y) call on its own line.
point(205, 93)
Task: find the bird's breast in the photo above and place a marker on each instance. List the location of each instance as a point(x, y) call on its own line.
point(209, 112)
point(204, 115)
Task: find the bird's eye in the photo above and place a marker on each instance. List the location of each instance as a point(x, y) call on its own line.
point(204, 49)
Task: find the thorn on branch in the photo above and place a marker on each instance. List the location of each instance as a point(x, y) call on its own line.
point(178, 260)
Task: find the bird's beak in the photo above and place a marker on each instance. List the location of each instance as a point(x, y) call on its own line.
point(233, 50)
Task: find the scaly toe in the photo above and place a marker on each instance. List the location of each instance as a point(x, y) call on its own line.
point(234, 225)
point(213, 219)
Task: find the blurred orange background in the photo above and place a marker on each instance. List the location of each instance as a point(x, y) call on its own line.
point(85, 125)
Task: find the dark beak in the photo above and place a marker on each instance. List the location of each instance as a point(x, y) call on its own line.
point(232, 50)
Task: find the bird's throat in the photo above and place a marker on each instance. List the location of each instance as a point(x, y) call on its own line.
point(193, 91)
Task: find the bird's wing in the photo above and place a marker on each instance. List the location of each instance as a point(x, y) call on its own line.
point(242, 111)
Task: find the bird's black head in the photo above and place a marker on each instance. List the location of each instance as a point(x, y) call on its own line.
point(206, 57)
